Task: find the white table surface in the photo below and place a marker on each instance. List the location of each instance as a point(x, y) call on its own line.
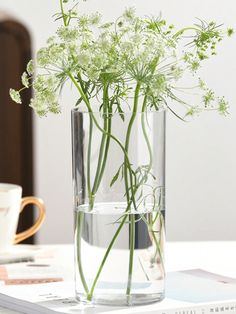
point(218, 257)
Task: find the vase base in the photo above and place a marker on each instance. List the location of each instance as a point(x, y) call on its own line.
point(121, 300)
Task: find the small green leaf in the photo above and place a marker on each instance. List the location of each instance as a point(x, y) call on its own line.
point(230, 31)
point(116, 176)
point(121, 112)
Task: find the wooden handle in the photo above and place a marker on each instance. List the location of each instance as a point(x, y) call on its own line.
point(32, 230)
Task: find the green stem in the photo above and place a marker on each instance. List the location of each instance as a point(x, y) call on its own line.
point(106, 148)
point(131, 253)
point(157, 244)
point(103, 141)
point(158, 249)
point(90, 194)
point(127, 141)
point(132, 235)
point(79, 224)
point(90, 294)
point(81, 215)
point(86, 101)
point(180, 32)
point(146, 135)
point(131, 218)
point(63, 13)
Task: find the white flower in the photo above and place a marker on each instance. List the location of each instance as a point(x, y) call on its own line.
point(129, 14)
point(129, 49)
point(25, 79)
point(55, 52)
point(38, 105)
point(223, 106)
point(43, 57)
point(84, 59)
point(51, 40)
point(93, 73)
point(68, 34)
point(15, 96)
point(95, 18)
point(30, 67)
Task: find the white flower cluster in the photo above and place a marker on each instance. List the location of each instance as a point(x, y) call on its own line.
point(118, 54)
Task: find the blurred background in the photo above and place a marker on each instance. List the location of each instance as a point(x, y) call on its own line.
point(200, 155)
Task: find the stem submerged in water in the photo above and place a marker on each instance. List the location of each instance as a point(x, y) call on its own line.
point(79, 223)
point(90, 293)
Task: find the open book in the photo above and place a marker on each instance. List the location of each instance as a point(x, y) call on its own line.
point(187, 292)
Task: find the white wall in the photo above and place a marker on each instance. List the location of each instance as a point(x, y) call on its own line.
point(201, 156)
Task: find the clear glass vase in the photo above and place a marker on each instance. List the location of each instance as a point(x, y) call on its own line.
point(119, 204)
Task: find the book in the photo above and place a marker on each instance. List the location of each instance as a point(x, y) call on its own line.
point(13, 256)
point(187, 292)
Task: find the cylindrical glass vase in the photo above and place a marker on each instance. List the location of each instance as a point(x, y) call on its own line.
point(119, 204)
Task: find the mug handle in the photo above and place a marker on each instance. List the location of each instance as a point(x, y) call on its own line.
point(32, 230)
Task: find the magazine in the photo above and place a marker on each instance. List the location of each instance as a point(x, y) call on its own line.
point(187, 292)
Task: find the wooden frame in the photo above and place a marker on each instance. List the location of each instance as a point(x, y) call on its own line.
point(16, 152)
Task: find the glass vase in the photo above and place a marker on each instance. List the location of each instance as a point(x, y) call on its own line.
point(119, 204)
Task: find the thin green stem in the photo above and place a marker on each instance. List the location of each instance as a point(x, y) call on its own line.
point(127, 141)
point(146, 135)
point(79, 225)
point(131, 253)
point(131, 217)
point(158, 218)
point(180, 32)
point(86, 101)
point(90, 294)
point(106, 147)
point(158, 248)
point(81, 215)
point(90, 194)
point(103, 141)
point(63, 13)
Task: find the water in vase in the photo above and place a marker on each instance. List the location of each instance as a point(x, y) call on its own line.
point(119, 254)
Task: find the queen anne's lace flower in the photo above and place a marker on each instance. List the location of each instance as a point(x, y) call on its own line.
point(25, 80)
point(68, 34)
point(223, 106)
point(30, 67)
point(147, 51)
point(15, 96)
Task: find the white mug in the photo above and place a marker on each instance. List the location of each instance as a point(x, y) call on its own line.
point(11, 205)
